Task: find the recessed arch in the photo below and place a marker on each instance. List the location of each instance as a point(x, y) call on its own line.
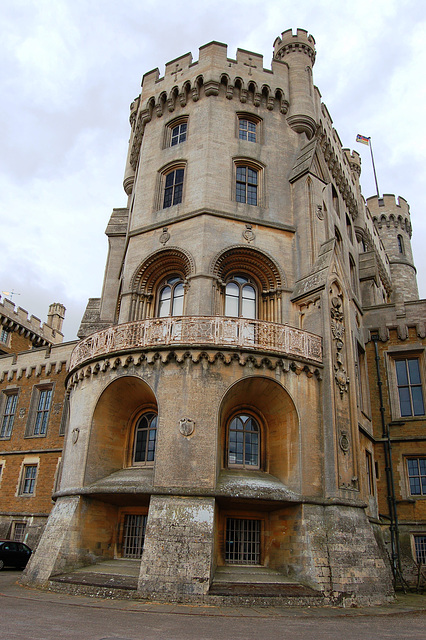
point(153, 270)
point(248, 261)
point(112, 423)
point(275, 412)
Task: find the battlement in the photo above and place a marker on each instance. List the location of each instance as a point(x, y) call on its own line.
point(290, 43)
point(212, 63)
point(354, 160)
point(16, 318)
point(388, 204)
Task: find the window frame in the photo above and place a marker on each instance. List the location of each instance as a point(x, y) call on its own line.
point(393, 355)
point(168, 131)
point(260, 446)
point(250, 165)
point(164, 283)
point(6, 426)
point(17, 524)
point(35, 411)
point(418, 559)
point(141, 414)
point(253, 119)
point(166, 171)
point(233, 279)
point(4, 337)
point(32, 480)
point(410, 386)
point(420, 475)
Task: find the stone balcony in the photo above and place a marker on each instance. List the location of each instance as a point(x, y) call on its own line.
point(200, 331)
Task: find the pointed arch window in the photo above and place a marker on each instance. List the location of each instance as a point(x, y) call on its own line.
point(244, 442)
point(400, 244)
point(171, 296)
point(240, 298)
point(145, 438)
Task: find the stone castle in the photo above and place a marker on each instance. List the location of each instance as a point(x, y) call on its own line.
point(223, 406)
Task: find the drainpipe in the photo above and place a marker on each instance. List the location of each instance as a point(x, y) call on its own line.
point(390, 485)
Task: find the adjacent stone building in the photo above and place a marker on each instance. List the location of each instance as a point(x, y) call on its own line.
point(220, 413)
point(33, 367)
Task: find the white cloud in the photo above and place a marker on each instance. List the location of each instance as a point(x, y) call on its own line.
point(70, 68)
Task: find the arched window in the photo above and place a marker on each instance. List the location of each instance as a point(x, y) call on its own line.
point(145, 438)
point(244, 442)
point(400, 244)
point(240, 298)
point(170, 299)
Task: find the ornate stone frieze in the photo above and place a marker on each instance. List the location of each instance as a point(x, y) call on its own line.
point(252, 335)
point(195, 356)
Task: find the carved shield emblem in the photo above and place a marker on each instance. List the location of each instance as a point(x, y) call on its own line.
point(186, 426)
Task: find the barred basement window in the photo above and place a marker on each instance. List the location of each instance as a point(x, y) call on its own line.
point(242, 544)
point(18, 531)
point(420, 548)
point(134, 535)
point(8, 416)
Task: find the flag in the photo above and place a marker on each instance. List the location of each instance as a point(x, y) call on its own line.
point(362, 139)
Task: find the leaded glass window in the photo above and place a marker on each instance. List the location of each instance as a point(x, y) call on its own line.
point(246, 184)
point(173, 188)
point(416, 468)
point(145, 438)
point(244, 442)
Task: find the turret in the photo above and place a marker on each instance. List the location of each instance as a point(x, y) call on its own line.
point(56, 315)
point(298, 51)
point(391, 218)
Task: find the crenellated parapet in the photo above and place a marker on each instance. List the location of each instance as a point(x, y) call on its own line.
point(289, 42)
point(17, 319)
point(391, 219)
point(390, 211)
point(354, 160)
point(214, 74)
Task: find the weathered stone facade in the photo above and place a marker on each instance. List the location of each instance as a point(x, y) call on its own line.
point(219, 398)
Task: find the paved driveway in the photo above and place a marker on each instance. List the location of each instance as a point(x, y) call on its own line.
point(28, 614)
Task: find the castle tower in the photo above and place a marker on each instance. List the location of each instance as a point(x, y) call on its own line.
point(392, 220)
point(297, 51)
point(210, 395)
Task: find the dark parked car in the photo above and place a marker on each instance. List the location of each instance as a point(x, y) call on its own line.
point(13, 554)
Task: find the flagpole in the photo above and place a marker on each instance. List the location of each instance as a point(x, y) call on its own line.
point(374, 168)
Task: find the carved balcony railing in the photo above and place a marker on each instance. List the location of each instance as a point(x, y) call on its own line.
point(253, 335)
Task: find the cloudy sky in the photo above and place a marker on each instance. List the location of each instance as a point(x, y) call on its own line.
point(70, 68)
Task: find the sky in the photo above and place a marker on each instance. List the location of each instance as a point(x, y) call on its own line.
point(69, 70)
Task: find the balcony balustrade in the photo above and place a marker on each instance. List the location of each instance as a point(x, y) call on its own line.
point(200, 331)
